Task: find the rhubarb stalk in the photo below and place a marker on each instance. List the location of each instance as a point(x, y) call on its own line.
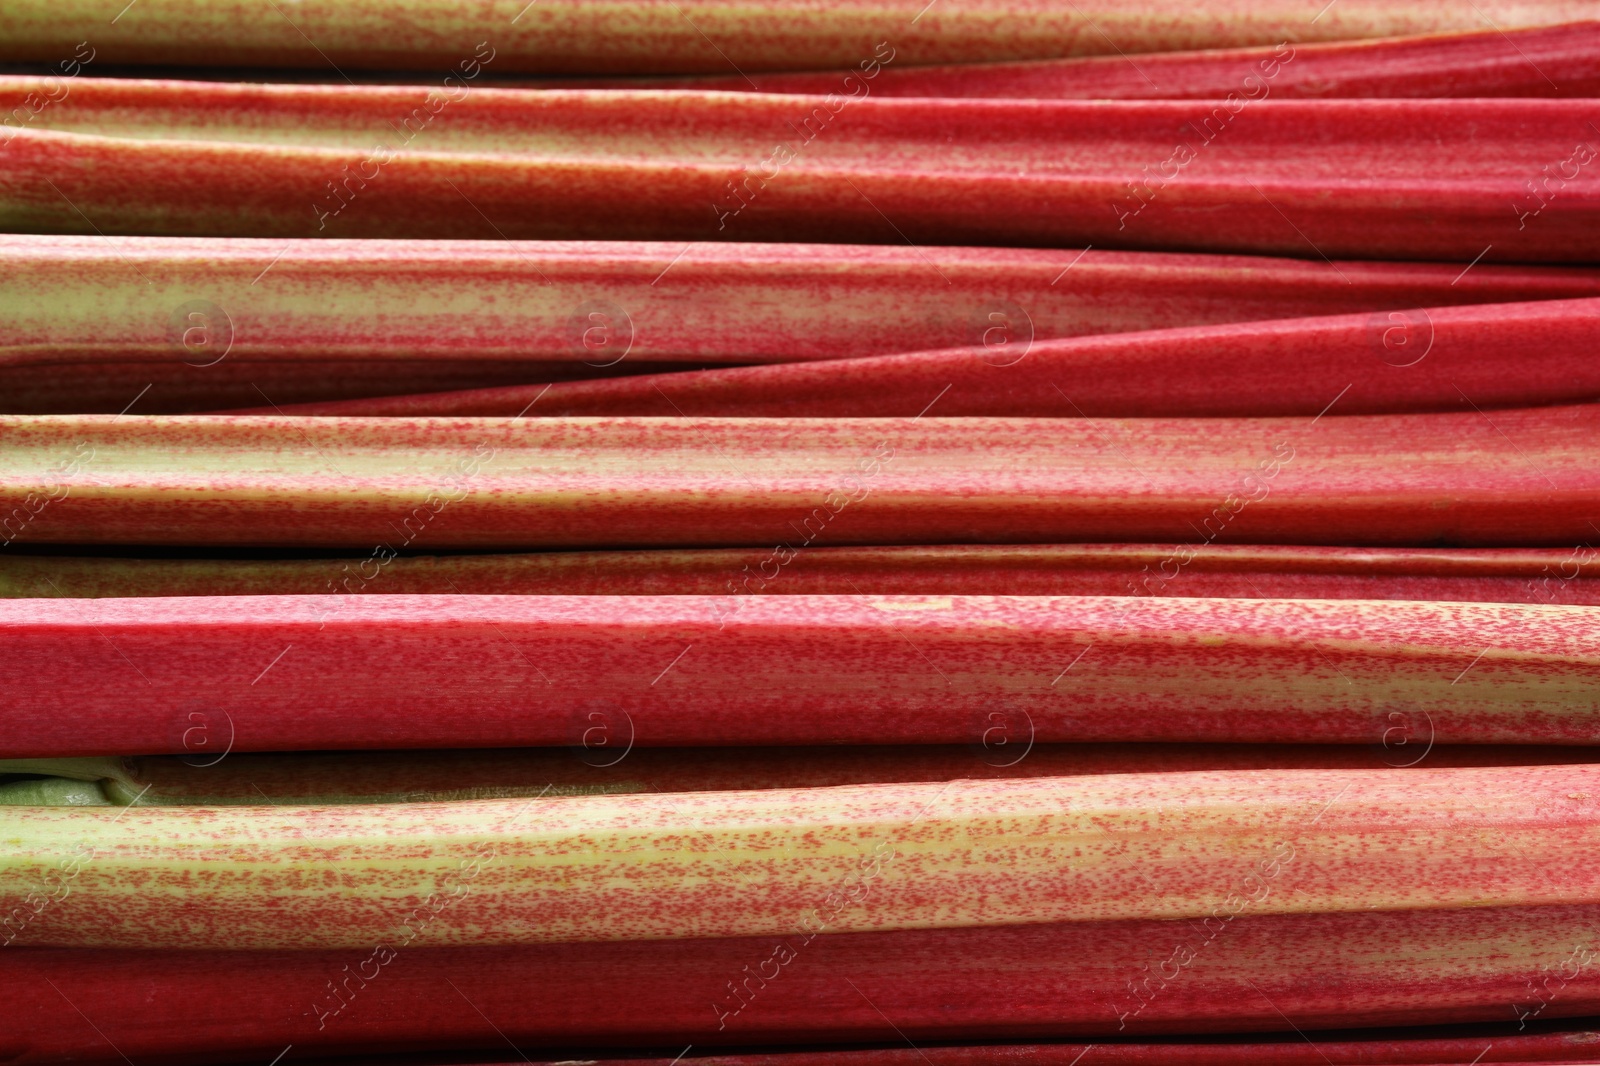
point(250, 323)
point(1245, 972)
point(1513, 477)
point(1495, 575)
point(735, 864)
point(284, 673)
point(572, 37)
point(1492, 355)
point(1541, 61)
point(1340, 178)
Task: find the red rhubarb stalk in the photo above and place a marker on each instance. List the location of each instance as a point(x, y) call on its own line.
point(1491, 355)
point(329, 319)
point(572, 37)
point(1495, 1045)
point(1341, 178)
point(1510, 477)
point(502, 671)
point(1543, 61)
point(179, 384)
point(1008, 983)
point(1495, 575)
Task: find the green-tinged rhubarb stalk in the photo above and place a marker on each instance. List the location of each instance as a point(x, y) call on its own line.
point(1247, 571)
point(604, 766)
point(1542, 61)
point(1514, 477)
point(729, 864)
point(1339, 178)
point(283, 673)
point(573, 37)
point(211, 323)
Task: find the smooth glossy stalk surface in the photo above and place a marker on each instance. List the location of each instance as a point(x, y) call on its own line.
point(572, 37)
point(1543, 61)
point(1326, 178)
point(217, 322)
point(1491, 355)
point(383, 485)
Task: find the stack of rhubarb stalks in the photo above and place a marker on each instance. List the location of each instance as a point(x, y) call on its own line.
point(768, 533)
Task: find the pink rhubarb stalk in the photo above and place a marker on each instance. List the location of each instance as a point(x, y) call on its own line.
point(1491, 355)
point(1340, 178)
point(1543, 61)
point(573, 37)
point(1237, 971)
point(242, 319)
point(1510, 477)
point(1495, 575)
point(285, 673)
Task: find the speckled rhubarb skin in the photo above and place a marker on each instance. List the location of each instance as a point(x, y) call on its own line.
point(348, 315)
point(1543, 61)
point(1343, 178)
point(1521, 477)
point(323, 778)
point(493, 671)
point(732, 864)
point(1495, 575)
point(570, 36)
point(1018, 982)
point(1494, 355)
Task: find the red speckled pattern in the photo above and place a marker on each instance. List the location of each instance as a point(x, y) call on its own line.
point(1511, 477)
point(403, 671)
point(1018, 982)
point(1494, 355)
point(866, 857)
point(1388, 179)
